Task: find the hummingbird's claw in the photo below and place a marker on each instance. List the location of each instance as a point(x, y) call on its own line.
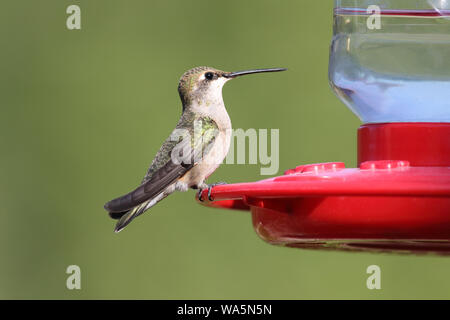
point(212, 186)
point(209, 187)
point(209, 193)
point(199, 195)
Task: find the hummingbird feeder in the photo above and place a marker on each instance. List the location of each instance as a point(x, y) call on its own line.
point(389, 64)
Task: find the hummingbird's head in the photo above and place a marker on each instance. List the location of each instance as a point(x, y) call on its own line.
point(198, 82)
point(203, 85)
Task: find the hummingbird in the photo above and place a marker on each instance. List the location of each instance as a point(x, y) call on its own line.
point(194, 150)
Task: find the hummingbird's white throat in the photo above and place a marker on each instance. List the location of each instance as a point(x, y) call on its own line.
point(214, 89)
point(210, 102)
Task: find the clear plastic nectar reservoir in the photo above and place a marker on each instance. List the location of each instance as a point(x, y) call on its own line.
point(390, 63)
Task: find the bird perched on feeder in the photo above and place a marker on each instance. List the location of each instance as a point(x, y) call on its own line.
point(197, 146)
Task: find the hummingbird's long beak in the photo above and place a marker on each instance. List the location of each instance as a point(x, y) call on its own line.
point(242, 73)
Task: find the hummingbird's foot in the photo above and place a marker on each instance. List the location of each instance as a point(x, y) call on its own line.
point(209, 187)
point(212, 186)
point(199, 194)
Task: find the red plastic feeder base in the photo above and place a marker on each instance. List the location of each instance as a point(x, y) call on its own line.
point(384, 205)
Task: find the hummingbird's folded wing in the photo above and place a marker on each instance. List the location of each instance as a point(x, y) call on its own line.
point(164, 170)
point(160, 180)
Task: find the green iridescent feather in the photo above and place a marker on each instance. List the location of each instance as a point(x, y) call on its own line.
point(202, 133)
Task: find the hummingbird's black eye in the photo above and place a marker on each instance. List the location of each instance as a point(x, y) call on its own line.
point(209, 75)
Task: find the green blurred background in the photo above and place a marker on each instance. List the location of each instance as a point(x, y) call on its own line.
point(84, 111)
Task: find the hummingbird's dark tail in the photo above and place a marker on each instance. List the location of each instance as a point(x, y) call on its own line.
point(126, 217)
point(116, 215)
